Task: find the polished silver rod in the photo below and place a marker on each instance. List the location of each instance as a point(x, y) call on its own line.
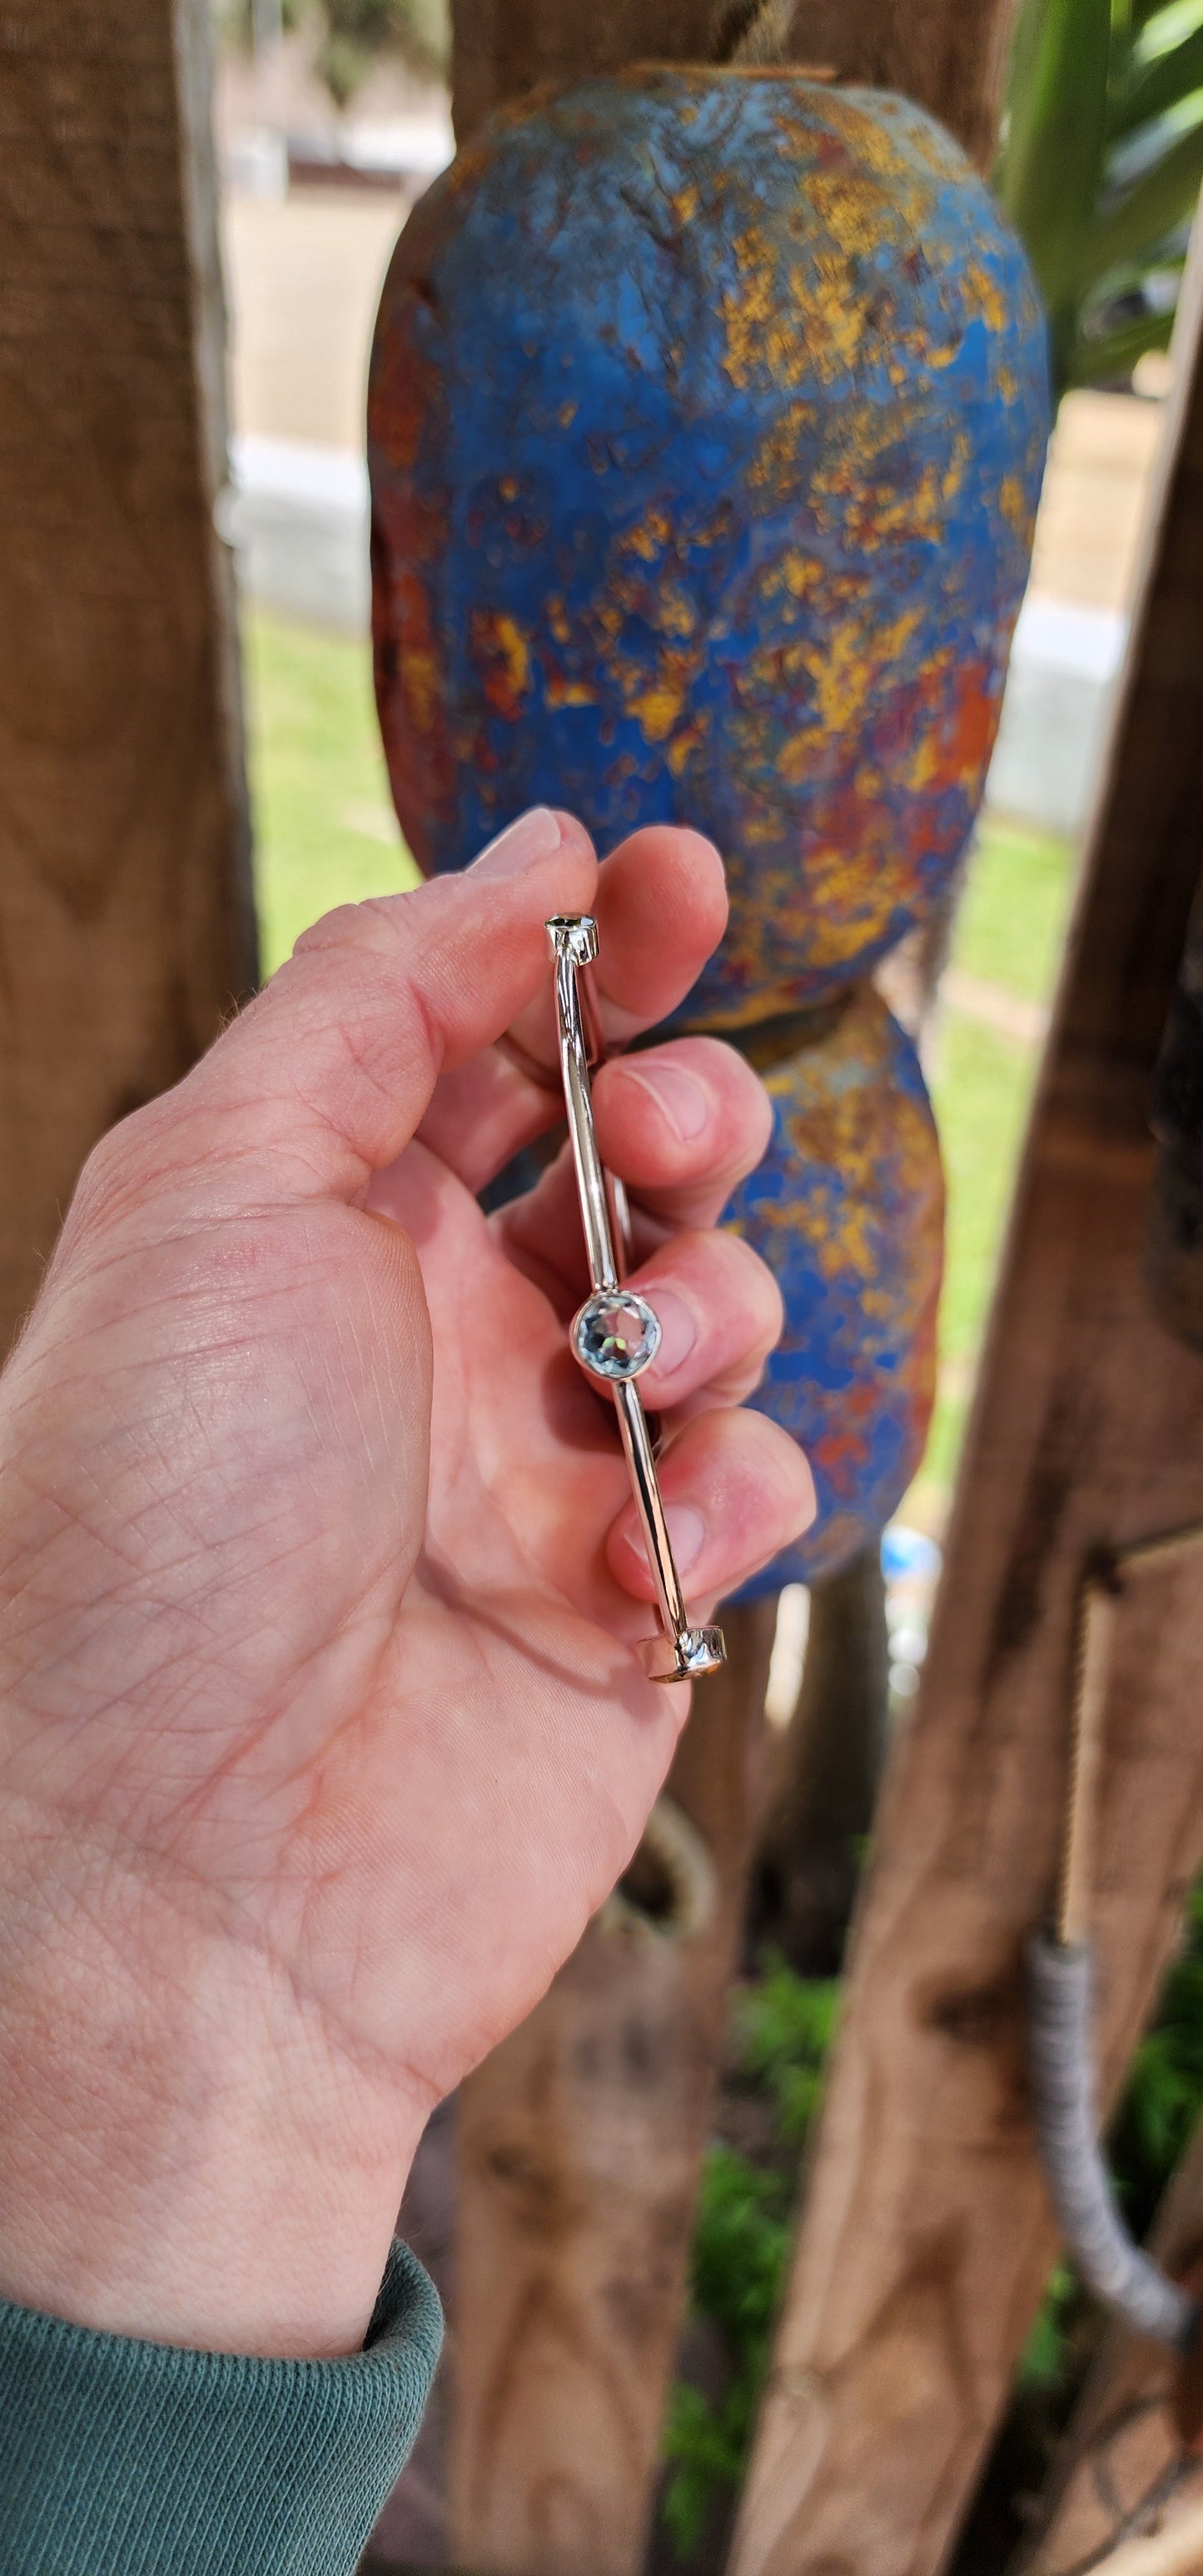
point(682, 1651)
point(645, 1484)
point(574, 1065)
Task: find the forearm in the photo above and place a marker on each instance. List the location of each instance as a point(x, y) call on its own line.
point(186, 2156)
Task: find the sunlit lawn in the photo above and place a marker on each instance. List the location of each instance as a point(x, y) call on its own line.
point(1009, 933)
point(326, 834)
point(325, 830)
point(1012, 917)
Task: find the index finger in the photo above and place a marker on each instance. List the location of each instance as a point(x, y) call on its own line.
point(323, 1079)
point(661, 910)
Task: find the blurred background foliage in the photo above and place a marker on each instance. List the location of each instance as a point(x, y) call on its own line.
point(348, 37)
point(1099, 169)
point(782, 2029)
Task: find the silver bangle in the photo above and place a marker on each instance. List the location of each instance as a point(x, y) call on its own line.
point(615, 1334)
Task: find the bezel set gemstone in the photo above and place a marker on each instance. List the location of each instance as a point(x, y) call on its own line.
point(615, 1335)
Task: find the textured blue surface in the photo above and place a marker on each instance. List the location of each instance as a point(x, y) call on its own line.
point(847, 1210)
point(706, 426)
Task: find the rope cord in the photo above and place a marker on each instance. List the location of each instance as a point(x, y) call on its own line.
point(1060, 1968)
point(1062, 2073)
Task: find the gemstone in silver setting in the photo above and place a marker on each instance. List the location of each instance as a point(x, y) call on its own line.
point(684, 1655)
point(615, 1334)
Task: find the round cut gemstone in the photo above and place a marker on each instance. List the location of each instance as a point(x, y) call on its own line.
point(615, 1334)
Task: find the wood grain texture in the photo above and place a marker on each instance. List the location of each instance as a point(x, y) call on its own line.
point(949, 56)
point(580, 2146)
point(926, 2236)
point(126, 926)
point(1122, 2437)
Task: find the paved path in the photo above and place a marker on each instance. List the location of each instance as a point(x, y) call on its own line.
point(303, 278)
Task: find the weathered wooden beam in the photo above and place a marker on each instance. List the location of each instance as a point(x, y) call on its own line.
point(580, 2145)
point(951, 58)
point(126, 926)
point(1123, 2443)
point(926, 2237)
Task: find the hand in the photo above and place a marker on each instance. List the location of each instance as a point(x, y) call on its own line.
point(320, 1733)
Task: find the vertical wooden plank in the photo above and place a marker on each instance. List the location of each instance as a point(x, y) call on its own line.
point(580, 2143)
point(952, 59)
point(126, 925)
point(926, 2235)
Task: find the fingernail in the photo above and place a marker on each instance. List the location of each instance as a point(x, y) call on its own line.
point(679, 1098)
point(686, 1529)
point(678, 1329)
point(534, 836)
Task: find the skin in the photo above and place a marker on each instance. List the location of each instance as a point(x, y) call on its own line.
point(321, 1736)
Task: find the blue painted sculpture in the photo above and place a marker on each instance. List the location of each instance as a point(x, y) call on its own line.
point(706, 424)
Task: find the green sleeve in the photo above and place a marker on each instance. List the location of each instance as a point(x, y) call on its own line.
point(142, 2459)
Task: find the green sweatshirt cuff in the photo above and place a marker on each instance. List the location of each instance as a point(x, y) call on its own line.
point(142, 2459)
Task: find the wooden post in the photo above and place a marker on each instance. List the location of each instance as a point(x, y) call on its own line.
point(1123, 2440)
point(580, 2144)
point(126, 926)
point(952, 59)
point(927, 2238)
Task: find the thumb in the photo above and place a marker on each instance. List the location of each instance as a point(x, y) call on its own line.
point(324, 1078)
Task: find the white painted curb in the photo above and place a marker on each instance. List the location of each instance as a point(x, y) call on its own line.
point(298, 518)
point(1064, 665)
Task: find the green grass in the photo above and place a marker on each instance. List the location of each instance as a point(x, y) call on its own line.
point(1009, 933)
point(981, 1088)
point(325, 831)
point(326, 834)
point(1012, 917)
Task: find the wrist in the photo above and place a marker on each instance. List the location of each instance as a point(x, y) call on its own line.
point(186, 2160)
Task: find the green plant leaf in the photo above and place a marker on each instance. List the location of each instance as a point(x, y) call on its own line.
point(1162, 199)
point(1042, 2360)
point(783, 2030)
point(1097, 358)
point(1051, 168)
point(1157, 85)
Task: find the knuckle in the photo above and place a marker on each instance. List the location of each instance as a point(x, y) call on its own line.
point(104, 1181)
point(115, 1176)
point(363, 928)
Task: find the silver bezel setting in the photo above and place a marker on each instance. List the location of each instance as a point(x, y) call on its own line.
point(621, 1368)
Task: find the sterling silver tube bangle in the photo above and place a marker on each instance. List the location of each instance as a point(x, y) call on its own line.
point(615, 1334)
